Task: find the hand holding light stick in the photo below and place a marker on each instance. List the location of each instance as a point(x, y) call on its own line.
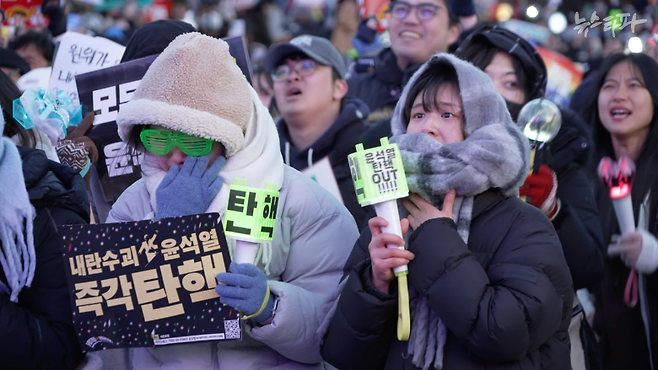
point(250, 218)
point(618, 178)
point(379, 180)
point(540, 120)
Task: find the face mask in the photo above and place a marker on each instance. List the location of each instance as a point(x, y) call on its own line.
point(514, 109)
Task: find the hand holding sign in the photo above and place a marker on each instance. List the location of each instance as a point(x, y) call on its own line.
point(618, 177)
point(379, 180)
point(245, 288)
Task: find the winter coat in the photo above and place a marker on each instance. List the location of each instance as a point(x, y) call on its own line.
point(337, 143)
point(505, 298)
point(623, 332)
point(577, 223)
point(312, 240)
point(380, 88)
point(37, 331)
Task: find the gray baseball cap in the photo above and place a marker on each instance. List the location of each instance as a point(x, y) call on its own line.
point(317, 48)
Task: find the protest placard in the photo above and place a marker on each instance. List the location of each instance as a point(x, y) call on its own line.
point(78, 53)
point(104, 91)
point(237, 46)
point(148, 283)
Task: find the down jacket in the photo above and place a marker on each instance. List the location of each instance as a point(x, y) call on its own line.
point(312, 240)
point(505, 298)
point(37, 331)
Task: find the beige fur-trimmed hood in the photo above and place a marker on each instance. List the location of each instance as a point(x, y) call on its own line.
point(194, 87)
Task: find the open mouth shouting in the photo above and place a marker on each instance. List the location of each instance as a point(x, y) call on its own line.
point(293, 91)
point(619, 113)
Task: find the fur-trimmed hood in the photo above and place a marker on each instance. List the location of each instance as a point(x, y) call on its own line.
point(494, 154)
point(483, 104)
point(194, 87)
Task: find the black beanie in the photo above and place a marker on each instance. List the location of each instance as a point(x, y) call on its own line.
point(9, 59)
point(515, 45)
point(152, 38)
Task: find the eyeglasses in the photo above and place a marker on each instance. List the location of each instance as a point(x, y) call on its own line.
point(304, 68)
point(424, 11)
point(160, 142)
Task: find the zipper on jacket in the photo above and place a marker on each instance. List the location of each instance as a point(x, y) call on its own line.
point(215, 360)
point(644, 309)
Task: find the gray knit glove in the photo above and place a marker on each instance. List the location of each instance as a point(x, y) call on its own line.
point(245, 288)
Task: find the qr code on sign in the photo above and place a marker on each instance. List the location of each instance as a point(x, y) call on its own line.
point(232, 329)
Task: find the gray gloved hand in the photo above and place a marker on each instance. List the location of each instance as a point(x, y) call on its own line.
point(245, 288)
point(189, 189)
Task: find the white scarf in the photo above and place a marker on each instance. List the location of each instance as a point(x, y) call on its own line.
point(259, 162)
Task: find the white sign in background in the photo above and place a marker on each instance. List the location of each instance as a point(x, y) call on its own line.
point(78, 53)
point(322, 172)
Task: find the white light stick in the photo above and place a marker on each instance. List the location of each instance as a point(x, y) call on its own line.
point(245, 251)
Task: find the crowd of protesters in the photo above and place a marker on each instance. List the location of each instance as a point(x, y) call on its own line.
point(514, 248)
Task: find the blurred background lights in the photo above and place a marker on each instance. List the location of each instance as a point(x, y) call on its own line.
point(557, 23)
point(504, 12)
point(532, 12)
point(635, 45)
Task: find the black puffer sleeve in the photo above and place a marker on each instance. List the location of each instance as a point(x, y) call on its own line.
point(364, 324)
point(578, 227)
point(37, 331)
point(507, 307)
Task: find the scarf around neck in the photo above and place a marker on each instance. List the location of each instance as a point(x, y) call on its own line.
point(17, 255)
point(494, 154)
point(259, 162)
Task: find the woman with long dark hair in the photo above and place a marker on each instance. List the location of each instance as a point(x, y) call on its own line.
point(623, 114)
point(560, 187)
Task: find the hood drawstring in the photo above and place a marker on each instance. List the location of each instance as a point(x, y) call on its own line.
point(286, 155)
point(309, 159)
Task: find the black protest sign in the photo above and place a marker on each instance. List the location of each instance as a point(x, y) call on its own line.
point(148, 283)
point(104, 91)
point(237, 46)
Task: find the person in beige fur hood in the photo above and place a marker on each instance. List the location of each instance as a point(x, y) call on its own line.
point(201, 125)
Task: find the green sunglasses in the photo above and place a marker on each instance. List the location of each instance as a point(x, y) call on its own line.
point(160, 142)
